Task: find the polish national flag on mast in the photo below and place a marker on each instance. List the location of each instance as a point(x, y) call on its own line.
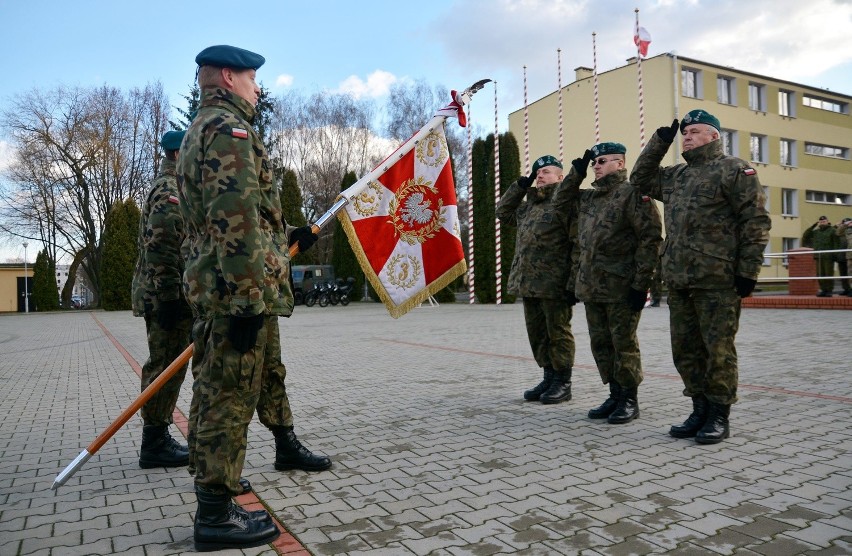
point(642, 39)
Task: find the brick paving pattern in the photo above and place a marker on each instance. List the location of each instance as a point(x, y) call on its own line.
point(434, 450)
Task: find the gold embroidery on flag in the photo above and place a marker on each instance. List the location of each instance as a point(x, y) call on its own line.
point(432, 150)
point(403, 271)
point(367, 202)
point(412, 214)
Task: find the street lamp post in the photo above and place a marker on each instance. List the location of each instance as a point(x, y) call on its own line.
point(26, 286)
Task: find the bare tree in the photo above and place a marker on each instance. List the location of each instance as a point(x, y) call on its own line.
point(77, 152)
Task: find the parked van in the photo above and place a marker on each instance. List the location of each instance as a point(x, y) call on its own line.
point(305, 276)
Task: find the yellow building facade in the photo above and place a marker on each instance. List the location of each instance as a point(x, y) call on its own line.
point(12, 287)
point(797, 137)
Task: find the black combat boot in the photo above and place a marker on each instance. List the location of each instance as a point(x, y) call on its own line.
point(715, 429)
point(290, 454)
point(535, 393)
point(694, 422)
point(220, 524)
point(559, 389)
point(159, 449)
point(605, 409)
point(627, 408)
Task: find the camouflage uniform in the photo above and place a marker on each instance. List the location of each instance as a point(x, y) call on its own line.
point(540, 270)
point(848, 234)
point(617, 241)
point(842, 265)
point(716, 228)
point(238, 264)
point(158, 278)
point(823, 238)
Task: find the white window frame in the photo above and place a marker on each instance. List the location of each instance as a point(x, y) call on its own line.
point(766, 198)
point(730, 142)
point(788, 244)
point(761, 142)
point(728, 85)
point(787, 103)
point(789, 202)
point(828, 197)
point(820, 149)
point(756, 96)
point(792, 156)
point(697, 86)
point(822, 103)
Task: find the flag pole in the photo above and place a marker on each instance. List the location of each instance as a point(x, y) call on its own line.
point(595, 74)
point(471, 291)
point(641, 95)
point(526, 128)
point(559, 88)
point(498, 271)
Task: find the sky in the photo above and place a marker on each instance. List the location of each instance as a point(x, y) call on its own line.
point(364, 47)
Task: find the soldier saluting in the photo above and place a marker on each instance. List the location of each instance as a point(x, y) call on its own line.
point(717, 227)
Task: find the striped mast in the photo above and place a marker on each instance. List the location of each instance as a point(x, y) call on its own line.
point(559, 88)
point(526, 128)
point(498, 272)
point(470, 282)
point(595, 76)
point(641, 94)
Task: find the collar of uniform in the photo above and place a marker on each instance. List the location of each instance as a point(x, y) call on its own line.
point(168, 166)
point(610, 180)
point(704, 153)
point(223, 97)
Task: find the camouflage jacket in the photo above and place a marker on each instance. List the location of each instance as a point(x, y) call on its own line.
point(821, 238)
point(618, 240)
point(717, 225)
point(542, 259)
point(159, 266)
point(238, 257)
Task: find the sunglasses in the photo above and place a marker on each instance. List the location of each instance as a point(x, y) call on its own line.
point(601, 161)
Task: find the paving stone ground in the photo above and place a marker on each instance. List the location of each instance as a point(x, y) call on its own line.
point(434, 450)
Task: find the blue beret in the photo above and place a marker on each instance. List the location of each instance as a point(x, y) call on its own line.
point(224, 56)
point(545, 160)
point(171, 140)
point(609, 148)
point(700, 117)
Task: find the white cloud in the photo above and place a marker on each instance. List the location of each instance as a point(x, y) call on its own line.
point(284, 80)
point(377, 84)
point(6, 154)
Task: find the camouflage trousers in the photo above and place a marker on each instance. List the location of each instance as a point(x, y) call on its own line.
point(825, 267)
point(228, 388)
point(549, 332)
point(164, 346)
point(703, 326)
point(615, 346)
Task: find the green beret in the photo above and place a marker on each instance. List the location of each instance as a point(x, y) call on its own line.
point(700, 117)
point(545, 160)
point(171, 140)
point(609, 148)
point(224, 56)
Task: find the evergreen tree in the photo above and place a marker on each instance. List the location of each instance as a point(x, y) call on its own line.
point(45, 296)
point(118, 255)
point(264, 112)
point(342, 256)
point(510, 169)
point(193, 99)
point(291, 208)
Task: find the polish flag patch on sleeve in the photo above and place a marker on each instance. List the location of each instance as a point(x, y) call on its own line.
point(239, 133)
point(646, 199)
point(173, 199)
point(749, 171)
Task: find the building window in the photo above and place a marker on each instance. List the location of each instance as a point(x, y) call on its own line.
point(787, 103)
point(758, 148)
point(789, 203)
point(828, 197)
point(766, 260)
point(726, 91)
point(729, 142)
point(690, 82)
point(825, 104)
point(766, 198)
point(826, 150)
point(788, 152)
point(788, 244)
point(757, 97)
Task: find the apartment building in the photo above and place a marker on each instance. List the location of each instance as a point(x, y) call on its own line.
point(798, 137)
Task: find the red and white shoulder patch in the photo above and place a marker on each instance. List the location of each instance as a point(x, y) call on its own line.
point(239, 133)
point(174, 199)
point(749, 171)
point(646, 199)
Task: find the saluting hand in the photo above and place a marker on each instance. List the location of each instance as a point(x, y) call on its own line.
point(668, 134)
point(526, 181)
point(581, 165)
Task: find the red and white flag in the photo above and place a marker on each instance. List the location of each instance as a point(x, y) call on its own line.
point(404, 225)
point(642, 39)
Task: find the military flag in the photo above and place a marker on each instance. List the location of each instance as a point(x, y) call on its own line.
point(642, 40)
point(404, 225)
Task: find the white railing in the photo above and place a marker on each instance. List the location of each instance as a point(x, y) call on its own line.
point(783, 256)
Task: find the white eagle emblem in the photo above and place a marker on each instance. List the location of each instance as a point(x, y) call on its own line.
point(416, 209)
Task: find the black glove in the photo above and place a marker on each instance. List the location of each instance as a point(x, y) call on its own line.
point(242, 331)
point(668, 134)
point(572, 299)
point(526, 181)
point(305, 236)
point(744, 285)
point(581, 165)
point(168, 313)
point(636, 299)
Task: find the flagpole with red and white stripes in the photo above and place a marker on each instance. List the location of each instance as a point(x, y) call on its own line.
point(498, 271)
point(526, 128)
point(595, 76)
point(470, 250)
point(641, 94)
point(559, 88)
